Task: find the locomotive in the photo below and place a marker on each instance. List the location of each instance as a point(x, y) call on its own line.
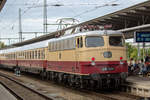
point(93, 59)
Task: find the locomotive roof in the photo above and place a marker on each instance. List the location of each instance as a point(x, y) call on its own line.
point(43, 44)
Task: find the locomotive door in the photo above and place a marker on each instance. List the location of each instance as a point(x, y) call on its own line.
point(79, 44)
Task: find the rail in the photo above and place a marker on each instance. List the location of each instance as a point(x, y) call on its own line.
point(24, 86)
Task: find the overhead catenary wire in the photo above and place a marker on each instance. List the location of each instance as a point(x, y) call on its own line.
point(16, 19)
point(11, 26)
point(34, 5)
point(97, 7)
point(28, 6)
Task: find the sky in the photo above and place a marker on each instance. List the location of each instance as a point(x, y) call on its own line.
point(32, 14)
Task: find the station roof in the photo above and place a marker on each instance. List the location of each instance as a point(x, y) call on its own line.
point(2, 3)
point(127, 20)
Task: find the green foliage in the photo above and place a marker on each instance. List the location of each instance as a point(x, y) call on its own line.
point(132, 51)
point(2, 45)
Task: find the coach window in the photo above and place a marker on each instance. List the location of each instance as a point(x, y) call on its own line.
point(94, 41)
point(12, 56)
point(15, 55)
point(39, 54)
point(79, 42)
point(29, 54)
point(9, 56)
point(36, 54)
point(43, 54)
point(56, 43)
point(32, 54)
point(21, 54)
point(25, 55)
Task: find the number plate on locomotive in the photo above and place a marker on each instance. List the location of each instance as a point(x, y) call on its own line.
point(108, 69)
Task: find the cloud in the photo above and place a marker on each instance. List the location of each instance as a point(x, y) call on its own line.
point(32, 19)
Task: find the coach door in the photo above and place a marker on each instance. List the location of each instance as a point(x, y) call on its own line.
point(79, 45)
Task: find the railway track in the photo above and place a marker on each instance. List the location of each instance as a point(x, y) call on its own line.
point(110, 95)
point(19, 90)
point(86, 94)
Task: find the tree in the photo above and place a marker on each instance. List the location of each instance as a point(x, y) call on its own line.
point(2, 45)
point(132, 51)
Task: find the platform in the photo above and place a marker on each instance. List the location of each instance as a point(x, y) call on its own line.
point(5, 95)
point(137, 85)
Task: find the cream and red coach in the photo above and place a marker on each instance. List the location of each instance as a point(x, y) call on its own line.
point(89, 59)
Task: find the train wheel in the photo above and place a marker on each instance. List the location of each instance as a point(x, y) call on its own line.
point(71, 80)
point(92, 84)
point(65, 79)
point(52, 76)
point(86, 84)
point(77, 82)
point(47, 75)
point(60, 77)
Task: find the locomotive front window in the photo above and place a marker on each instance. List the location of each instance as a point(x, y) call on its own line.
point(94, 41)
point(116, 40)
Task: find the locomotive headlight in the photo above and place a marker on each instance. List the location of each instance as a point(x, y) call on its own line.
point(93, 61)
point(121, 60)
point(107, 54)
